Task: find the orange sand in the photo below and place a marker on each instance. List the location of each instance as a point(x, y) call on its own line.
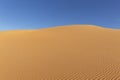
point(76, 52)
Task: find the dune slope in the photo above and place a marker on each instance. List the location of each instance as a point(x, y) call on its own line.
point(76, 52)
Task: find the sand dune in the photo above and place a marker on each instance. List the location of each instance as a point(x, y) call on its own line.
point(76, 52)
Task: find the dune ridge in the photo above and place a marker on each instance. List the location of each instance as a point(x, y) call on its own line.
point(72, 52)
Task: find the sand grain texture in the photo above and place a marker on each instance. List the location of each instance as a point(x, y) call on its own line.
point(76, 52)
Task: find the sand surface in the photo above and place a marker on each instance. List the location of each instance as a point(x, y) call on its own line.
point(76, 52)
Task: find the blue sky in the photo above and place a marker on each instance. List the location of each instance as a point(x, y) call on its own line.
point(34, 14)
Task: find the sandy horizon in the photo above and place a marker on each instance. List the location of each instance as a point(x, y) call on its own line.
point(72, 52)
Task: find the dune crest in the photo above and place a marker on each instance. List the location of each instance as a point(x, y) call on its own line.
point(73, 52)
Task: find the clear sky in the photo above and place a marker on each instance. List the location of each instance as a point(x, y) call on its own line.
point(34, 14)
